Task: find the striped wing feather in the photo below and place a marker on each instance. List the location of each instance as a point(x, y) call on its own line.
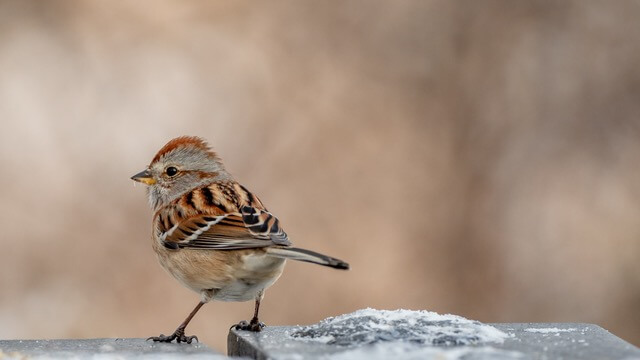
point(221, 216)
point(251, 229)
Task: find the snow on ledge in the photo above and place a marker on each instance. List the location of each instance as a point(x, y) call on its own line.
point(371, 326)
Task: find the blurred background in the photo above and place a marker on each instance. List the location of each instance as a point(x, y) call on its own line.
point(470, 157)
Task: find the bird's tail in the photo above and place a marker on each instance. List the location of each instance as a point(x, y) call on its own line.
point(307, 255)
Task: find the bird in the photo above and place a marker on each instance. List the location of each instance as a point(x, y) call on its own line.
point(212, 234)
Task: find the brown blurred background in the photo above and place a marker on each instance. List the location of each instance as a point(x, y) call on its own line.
point(469, 157)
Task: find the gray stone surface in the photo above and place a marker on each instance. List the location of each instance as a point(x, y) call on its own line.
point(103, 349)
point(525, 341)
point(572, 341)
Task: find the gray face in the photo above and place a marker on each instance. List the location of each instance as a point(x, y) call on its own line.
point(180, 171)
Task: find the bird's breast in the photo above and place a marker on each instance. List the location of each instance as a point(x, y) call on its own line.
point(232, 275)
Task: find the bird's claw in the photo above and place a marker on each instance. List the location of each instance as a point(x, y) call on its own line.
point(254, 326)
point(178, 335)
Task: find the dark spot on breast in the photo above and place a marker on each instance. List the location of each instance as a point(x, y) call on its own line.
point(248, 282)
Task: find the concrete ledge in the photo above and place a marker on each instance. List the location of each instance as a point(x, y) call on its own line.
point(525, 341)
point(519, 341)
point(103, 349)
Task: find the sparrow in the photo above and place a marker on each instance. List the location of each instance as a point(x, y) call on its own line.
point(212, 234)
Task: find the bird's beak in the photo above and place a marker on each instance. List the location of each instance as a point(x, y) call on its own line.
point(144, 177)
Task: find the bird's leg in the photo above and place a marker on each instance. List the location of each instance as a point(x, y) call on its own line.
point(254, 320)
point(255, 324)
point(179, 335)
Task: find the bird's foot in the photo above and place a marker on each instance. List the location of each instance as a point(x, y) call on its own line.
point(254, 325)
point(178, 335)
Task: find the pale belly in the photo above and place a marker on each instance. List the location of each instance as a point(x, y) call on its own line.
point(242, 290)
point(238, 278)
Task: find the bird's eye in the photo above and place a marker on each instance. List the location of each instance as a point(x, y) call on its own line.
point(171, 171)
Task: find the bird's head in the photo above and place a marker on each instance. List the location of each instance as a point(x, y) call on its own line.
point(183, 164)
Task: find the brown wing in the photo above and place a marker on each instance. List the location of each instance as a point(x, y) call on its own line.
point(210, 228)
